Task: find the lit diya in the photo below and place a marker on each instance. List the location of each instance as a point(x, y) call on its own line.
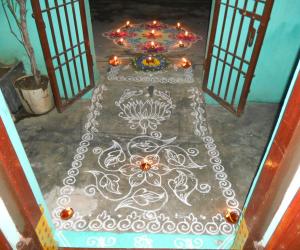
point(231, 216)
point(152, 33)
point(128, 25)
point(145, 165)
point(66, 213)
point(154, 25)
point(117, 33)
point(121, 41)
point(178, 26)
point(150, 63)
point(152, 45)
point(185, 63)
point(181, 44)
point(150, 59)
point(114, 61)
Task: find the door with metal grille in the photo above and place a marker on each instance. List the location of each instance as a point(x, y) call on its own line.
point(63, 32)
point(237, 34)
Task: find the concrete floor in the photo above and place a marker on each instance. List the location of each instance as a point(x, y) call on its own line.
point(51, 140)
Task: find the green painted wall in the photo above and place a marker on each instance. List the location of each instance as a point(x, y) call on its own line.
point(278, 54)
point(11, 50)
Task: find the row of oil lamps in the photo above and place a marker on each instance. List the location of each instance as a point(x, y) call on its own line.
point(115, 61)
point(121, 41)
point(154, 24)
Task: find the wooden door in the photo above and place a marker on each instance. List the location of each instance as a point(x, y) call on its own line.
point(237, 33)
point(63, 32)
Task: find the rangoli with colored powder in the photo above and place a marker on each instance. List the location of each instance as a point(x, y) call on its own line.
point(150, 38)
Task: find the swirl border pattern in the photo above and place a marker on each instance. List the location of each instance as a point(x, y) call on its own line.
point(151, 222)
point(113, 74)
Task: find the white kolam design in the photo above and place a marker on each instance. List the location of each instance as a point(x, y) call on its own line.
point(200, 129)
point(101, 241)
point(188, 243)
point(116, 73)
point(146, 114)
point(146, 194)
point(143, 241)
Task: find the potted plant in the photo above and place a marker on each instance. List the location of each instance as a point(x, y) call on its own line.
point(34, 90)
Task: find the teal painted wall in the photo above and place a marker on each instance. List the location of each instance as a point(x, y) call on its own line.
point(11, 50)
point(278, 54)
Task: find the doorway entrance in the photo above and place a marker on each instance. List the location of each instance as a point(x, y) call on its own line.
point(145, 148)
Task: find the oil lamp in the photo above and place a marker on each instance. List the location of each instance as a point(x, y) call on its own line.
point(114, 61)
point(152, 33)
point(186, 34)
point(231, 216)
point(154, 22)
point(145, 165)
point(127, 24)
point(185, 63)
point(150, 59)
point(118, 31)
point(66, 213)
point(181, 44)
point(178, 26)
point(121, 41)
point(152, 45)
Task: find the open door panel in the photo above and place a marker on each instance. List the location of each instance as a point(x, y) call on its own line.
point(63, 32)
point(237, 34)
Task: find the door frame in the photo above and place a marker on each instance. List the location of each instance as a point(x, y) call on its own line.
point(13, 153)
point(271, 179)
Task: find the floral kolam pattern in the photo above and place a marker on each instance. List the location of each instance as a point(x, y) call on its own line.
point(138, 38)
point(119, 178)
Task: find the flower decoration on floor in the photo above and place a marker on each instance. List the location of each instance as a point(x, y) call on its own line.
point(153, 34)
point(152, 47)
point(138, 37)
point(138, 176)
point(150, 62)
point(187, 36)
point(155, 25)
point(119, 33)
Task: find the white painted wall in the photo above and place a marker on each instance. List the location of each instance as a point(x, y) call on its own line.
point(8, 227)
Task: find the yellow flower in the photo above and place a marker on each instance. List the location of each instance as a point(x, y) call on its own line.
point(154, 63)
